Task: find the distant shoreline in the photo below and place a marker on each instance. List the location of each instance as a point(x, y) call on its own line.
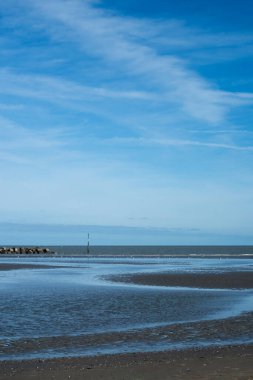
point(132, 251)
point(137, 256)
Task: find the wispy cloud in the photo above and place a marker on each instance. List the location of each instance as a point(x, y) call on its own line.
point(21, 145)
point(133, 47)
point(177, 143)
point(117, 41)
point(55, 89)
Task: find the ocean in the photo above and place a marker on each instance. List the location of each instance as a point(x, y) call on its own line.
point(154, 250)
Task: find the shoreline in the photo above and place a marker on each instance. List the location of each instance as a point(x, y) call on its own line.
point(129, 256)
point(171, 255)
point(227, 363)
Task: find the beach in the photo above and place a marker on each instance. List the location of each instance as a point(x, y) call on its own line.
point(126, 318)
point(226, 363)
point(230, 280)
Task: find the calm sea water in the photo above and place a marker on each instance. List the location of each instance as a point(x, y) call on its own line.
point(155, 250)
point(73, 310)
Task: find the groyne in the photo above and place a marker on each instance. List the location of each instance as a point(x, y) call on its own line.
point(25, 251)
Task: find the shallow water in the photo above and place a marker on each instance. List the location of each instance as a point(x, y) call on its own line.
point(71, 310)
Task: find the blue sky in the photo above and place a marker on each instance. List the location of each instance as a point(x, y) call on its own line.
point(122, 116)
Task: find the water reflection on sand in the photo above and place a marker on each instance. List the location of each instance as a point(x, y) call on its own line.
point(71, 309)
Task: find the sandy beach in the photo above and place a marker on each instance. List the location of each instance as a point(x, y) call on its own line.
point(227, 363)
point(230, 355)
point(223, 280)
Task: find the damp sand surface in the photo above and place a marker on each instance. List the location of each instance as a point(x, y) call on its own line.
point(227, 363)
point(10, 266)
point(221, 280)
point(74, 313)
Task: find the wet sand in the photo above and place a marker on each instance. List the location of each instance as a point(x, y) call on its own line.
point(236, 329)
point(231, 280)
point(4, 267)
point(226, 363)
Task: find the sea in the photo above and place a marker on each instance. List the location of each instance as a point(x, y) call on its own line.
point(73, 307)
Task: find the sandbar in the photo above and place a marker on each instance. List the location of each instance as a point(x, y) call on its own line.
point(209, 280)
point(9, 266)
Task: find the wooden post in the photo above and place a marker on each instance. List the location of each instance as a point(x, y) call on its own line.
point(88, 244)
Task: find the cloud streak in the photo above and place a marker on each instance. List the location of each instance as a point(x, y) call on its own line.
point(177, 143)
point(117, 41)
point(55, 89)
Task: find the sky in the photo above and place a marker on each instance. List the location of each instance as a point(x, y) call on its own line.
point(131, 120)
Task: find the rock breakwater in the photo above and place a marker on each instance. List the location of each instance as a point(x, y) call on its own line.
point(25, 251)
